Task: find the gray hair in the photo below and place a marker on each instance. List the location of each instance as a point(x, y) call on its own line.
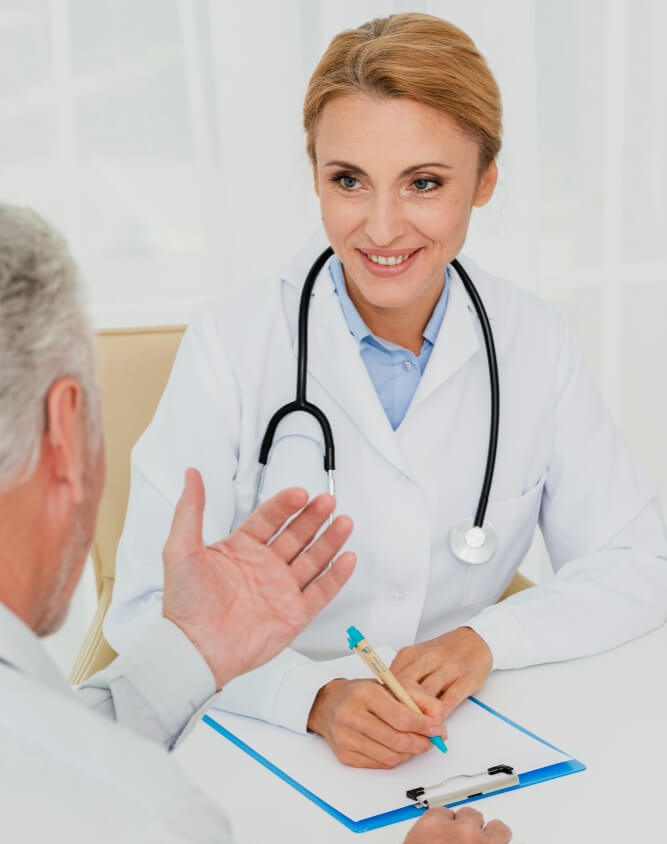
point(45, 334)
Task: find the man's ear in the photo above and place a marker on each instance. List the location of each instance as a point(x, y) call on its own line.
point(65, 442)
point(486, 185)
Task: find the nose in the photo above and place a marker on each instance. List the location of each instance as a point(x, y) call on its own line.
point(384, 220)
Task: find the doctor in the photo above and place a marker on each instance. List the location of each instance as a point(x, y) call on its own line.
point(403, 125)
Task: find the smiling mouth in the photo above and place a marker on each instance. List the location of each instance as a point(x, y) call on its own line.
point(389, 260)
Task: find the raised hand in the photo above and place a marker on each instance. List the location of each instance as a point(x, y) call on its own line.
point(244, 598)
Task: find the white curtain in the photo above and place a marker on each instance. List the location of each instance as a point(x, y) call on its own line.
point(164, 138)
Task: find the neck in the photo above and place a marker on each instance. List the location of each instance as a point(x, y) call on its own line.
point(23, 585)
point(403, 326)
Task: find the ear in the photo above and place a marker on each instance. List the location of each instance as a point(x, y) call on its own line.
point(486, 185)
point(65, 442)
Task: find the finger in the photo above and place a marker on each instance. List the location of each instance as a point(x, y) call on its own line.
point(323, 590)
point(497, 832)
point(303, 528)
point(185, 534)
point(398, 727)
point(265, 521)
point(455, 694)
point(470, 816)
point(315, 559)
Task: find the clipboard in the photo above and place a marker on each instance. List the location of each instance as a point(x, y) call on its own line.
point(483, 744)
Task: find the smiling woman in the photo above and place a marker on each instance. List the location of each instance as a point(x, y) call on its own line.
point(396, 220)
point(403, 122)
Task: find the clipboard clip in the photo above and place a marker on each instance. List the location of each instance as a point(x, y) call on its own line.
point(464, 787)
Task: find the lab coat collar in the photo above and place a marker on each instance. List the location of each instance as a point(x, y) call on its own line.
point(456, 343)
point(343, 374)
point(21, 649)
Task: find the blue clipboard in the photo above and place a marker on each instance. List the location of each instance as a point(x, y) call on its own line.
point(564, 766)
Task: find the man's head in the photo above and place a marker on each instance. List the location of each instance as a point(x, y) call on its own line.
point(51, 464)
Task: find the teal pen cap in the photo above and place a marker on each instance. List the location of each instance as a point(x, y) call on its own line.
point(353, 637)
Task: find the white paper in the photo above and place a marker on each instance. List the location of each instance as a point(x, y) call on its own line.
point(477, 740)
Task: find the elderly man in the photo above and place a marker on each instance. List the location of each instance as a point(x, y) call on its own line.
point(65, 769)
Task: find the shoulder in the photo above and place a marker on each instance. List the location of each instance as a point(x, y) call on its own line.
point(529, 332)
point(515, 312)
point(85, 768)
point(250, 312)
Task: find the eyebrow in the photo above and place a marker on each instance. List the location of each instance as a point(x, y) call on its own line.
point(352, 168)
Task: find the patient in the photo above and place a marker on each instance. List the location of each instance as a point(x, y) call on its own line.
point(65, 765)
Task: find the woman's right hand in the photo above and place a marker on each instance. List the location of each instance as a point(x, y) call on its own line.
point(368, 728)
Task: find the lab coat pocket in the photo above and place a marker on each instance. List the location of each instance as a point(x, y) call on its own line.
point(514, 520)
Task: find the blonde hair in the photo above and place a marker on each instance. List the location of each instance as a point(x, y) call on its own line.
point(412, 55)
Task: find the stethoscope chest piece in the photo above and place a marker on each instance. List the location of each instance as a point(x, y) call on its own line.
point(473, 544)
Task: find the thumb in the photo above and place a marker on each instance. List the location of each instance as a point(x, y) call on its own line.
point(185, 535)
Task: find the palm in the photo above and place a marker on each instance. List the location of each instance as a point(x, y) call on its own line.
point(242, 600)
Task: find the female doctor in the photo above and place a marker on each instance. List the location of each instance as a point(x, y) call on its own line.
point(403, 125)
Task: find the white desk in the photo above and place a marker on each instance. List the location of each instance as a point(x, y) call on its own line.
point(609, 711)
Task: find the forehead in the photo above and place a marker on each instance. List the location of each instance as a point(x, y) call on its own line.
point(391, 128)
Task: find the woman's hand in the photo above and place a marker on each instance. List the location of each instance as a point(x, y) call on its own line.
point(450, 667)
point(368, 728)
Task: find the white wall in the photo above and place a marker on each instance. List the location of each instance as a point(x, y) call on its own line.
point(163, 136)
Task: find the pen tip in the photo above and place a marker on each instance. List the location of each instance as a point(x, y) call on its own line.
point(439, 743)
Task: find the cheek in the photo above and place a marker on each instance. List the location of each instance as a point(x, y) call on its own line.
point(339, 218)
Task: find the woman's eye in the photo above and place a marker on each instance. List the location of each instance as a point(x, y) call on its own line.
point(424, 185)
point(348, 182)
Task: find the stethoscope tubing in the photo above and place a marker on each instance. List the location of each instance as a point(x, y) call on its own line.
point(302, 404)
point(494, 385)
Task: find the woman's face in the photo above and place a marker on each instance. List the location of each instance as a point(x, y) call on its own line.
point(397, 181)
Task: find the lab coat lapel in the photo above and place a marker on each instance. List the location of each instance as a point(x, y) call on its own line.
point(456, 343)
point(335, 362)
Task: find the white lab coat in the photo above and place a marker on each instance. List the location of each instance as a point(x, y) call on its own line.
point(560, 461)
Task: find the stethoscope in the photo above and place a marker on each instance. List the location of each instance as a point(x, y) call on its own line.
point(473, 540)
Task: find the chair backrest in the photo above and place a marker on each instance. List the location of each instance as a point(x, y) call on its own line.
point(134, 366)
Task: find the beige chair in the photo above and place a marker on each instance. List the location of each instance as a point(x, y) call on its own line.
point(134, 365)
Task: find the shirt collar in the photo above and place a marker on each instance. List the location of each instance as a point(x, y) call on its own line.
point(358, 327)
point(21, 649)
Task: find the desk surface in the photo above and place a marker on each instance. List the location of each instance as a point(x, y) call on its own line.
point(610, 711)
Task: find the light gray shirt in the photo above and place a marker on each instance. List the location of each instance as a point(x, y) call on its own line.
point(70, 774)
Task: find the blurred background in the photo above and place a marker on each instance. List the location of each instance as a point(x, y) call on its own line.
point(164, 138)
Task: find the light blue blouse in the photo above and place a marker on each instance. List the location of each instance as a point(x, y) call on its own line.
point(394, 371)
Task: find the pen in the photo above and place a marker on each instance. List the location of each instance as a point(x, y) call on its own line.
point(358, 643)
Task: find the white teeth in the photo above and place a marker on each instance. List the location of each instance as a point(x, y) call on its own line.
point(388, 261)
